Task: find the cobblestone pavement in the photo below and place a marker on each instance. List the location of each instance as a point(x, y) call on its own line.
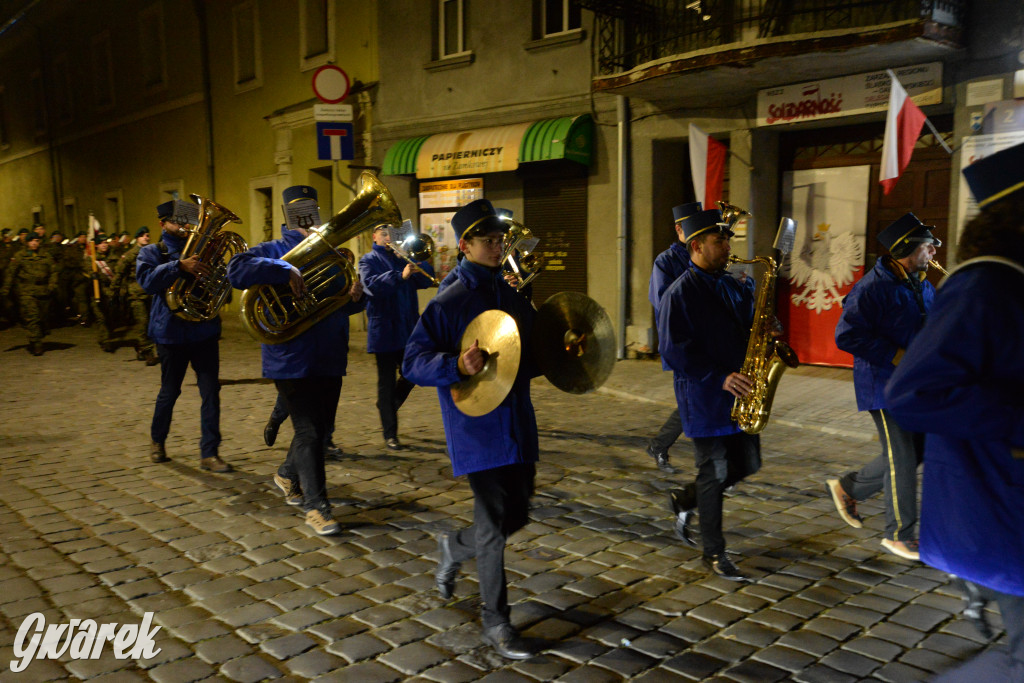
point(243, 590)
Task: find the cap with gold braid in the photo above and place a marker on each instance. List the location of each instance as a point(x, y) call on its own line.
point(996, 176)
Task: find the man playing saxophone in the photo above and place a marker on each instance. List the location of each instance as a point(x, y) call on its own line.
point(180, 342)
point(881, 315)
point(703, 327)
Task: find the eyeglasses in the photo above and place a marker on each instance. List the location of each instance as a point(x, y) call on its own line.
point(489, 242)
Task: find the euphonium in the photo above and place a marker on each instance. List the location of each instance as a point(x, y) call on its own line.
point(198, 299)
point(731, 214)
point(272, 314)
point(520, 238)
point(767, 357)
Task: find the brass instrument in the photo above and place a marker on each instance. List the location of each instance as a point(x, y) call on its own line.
point(935, 264)
point(200, 298)
point(497, 335)
point(417, 247)
point(272, 314)
point(574, 342)
point(520, 238)
point(731, 213)
point(767, 357)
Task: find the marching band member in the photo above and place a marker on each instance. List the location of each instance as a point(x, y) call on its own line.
point(668, 266)
point(703, 327)
point(960, 382)
point(497, 451)
point(392, 309)
point(882, 314)
point(306, 370)
point(180, 342)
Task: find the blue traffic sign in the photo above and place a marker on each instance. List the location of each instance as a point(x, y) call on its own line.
point(335, 140)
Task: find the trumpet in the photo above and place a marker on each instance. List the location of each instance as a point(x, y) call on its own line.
point(417, 247)
point(935, 264)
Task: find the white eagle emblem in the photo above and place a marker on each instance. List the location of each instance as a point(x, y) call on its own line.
point(826, 263)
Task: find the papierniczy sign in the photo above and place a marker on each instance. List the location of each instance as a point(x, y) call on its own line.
point(81, 639)
point(846, 95)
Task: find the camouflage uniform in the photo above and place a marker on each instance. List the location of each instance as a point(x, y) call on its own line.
point(104, 275)
point(138, 303)
point(79, 282)
point(35, 276)
point(60, 302)
point(6, 254)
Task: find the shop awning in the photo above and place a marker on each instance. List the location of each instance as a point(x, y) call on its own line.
point(488, 150)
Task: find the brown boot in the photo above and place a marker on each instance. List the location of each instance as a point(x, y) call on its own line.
point(150, 357)
point(157, 452)
point(214, 464)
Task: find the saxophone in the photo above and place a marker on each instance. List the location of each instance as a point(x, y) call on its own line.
point(767, 357)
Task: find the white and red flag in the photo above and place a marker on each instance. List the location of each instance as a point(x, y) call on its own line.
point(707, 166)
point(902, 128)
point(94, 229)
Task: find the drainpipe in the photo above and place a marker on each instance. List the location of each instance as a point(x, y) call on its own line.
point(204, 60)
point(623, 210)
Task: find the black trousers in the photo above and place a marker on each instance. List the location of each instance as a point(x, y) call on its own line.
point(721, 462)
point(997, 664)
point(894, 471)
point(312, 403)
point(392, 390)
point(204, 357)
point(501, 500)
point(279, 413)
point(668, 434)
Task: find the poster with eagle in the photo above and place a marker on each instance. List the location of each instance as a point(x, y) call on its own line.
point(830, 206)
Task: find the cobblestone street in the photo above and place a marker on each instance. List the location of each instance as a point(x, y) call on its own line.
point(243, 590)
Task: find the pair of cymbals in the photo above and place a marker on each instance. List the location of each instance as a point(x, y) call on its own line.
point(573, 343)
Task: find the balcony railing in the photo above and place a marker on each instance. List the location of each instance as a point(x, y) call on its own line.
point(633, 32)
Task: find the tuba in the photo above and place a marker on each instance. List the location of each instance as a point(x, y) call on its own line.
point(767, 357)
point(272, 314)
point(199, 299)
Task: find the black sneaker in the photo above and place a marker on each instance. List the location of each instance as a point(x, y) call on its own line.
point(270, 432)
point(722, 566)
point(447, 567)
point(661, 460)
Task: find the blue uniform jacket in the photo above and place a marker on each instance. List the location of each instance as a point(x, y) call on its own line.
point(155, 271)
point(668, 266)
point(703, 327)
point(321, 351)
point(450, 279)
point(506, 435)
point(959, 382)
point(392, 307)
point(881, 315)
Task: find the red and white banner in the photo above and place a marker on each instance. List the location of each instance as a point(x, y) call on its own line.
point(707, 166)
point(94, 229)
point(902, 128)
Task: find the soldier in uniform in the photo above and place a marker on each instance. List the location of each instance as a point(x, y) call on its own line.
point(78, 282)
point(138, 300)
point(35, 276)
point(58, 306)
point(7, 250)
point(104, 275)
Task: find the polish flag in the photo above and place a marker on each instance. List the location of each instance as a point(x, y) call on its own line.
point(707, 166)
point(94, 228)
point(902, 128)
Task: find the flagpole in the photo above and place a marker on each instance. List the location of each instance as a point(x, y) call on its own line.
point(931, 126)
point(91, 248)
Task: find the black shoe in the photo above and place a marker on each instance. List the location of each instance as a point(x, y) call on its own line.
point(333, 452)
point(394, 444)
point(683, 502)
point(506, 642)
point(270, 432)
point(108, 347)
point(975, 609)
point(447, 567)
point(36, 348)
point(661, 460)
point(684, 531)
point(722, 566)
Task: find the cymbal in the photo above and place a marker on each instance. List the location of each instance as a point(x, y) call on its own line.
point(574, 342)
point(497, 334)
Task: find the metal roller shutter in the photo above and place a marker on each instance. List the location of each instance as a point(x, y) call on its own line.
point(555, 209)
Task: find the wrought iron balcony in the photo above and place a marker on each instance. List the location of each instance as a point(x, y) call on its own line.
point(634, 32)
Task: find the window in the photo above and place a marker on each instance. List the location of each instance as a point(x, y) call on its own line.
point(102, 72)
point(451, 39)
point(153, 47)
point(70, 217)
point(38, 104)
point(316, 32)
point(62, 92)
point(559, 16)
point(245, 30)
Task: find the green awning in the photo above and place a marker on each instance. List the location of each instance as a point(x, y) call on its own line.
point(489, 150)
